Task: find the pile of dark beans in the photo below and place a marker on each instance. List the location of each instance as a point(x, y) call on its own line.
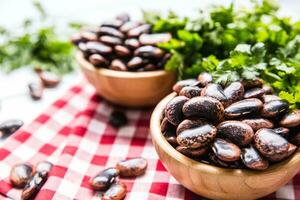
point(29, 178)
point(107, 182)
point(123, 45)
point(239, 125)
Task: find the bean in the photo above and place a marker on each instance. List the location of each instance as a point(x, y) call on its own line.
point(118, 65)
point(226, 151)
point(173, 110)
point(116, 192)
point(204, 107)
point(238, 132)
point(243, 108)
point(110, 40)
point(153, 39)
point(204, 79)
point(271, 145)
point(258, 123)
point(215, 91)
point(191, 152)
point(291, 119)
point(132, 167)
point(49, 79)
point(136, 32)
point(189, 124)
point(34, 185)
point(128, 26)
point(181, 84)
point(110, 31)
point(10, 126)
point(253, 160)
point(98, 60)
point(104, 179)
point(117, 119)
point(254, 93)
point(43, 166)
point(234, 92)
point(190, 91)
point(149, 52)
point(274, 108)
point(197, 137)
point(20, 175)
point(122, 51)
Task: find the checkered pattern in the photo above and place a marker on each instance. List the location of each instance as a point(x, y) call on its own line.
point(74, 135)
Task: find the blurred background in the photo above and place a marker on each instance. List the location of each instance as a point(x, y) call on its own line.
point(14, 98)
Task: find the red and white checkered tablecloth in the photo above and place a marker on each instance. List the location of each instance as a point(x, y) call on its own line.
point(73, 133)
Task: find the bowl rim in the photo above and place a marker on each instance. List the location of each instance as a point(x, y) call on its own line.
point(190, 163)
point(114, 73)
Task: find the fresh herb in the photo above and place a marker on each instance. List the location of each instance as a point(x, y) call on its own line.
point(36, 47)
point(235, 44)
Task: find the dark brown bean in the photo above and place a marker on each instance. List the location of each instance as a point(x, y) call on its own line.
point(205, 78)
point(49, 79)
point(82, 47)
point(43, 166)
point(98, 48)
point(136, 32)
point(295, 137)
point(191, 152)
point(113, 23)
point(124, 17)
point(76, 39)
point(128, 26)
point(34, 185)
point(253, 160)
point(154, 39)
point(132, 167)
point(268, 89)
point(88, 35)
point(190, 91)
point(274, 108)
point(166, 125)
point(117, 119)
point(118, 65)
point(254, 93)
point(173, 110)
point(36, 90)
point(271, 145)
point(204, 107)
point(98, 60)
point(248, 84)
point(214, 159)
point(122, 51)
point(20, 174)
point(284, 132)
point(197, 137)
point(10, 126)
point(170, 136)
point(103, 180)
point(291, 119)
point(116, 192)
point(234, 92)
point(150, 67)
point(238, 132)
point(149, 52)
point(215, 91)
point(292, 148)
point(258, 123)
point(267, 98)
point(189, 124)
point(226, 151)
point(135, 63)
point(243, 108)
point(110, 31)
point(110, 40)
point(183, 83)
point(132, 43)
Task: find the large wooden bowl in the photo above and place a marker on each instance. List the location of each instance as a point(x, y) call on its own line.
point(214, 182)
point(131, 89)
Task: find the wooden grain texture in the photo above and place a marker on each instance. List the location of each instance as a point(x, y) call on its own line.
point(219, 183)
point(131, 89)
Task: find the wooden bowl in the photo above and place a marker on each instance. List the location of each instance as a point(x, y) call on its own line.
point(215, 182)
point(131, 89)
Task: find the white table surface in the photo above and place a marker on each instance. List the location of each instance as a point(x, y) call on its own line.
point(14, 99)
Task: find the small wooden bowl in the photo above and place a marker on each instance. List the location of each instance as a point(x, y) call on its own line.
point(215, 182)
point(131, 89)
